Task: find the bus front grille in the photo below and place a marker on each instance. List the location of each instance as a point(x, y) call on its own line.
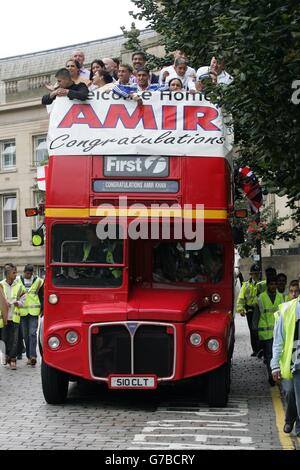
point(132, 348)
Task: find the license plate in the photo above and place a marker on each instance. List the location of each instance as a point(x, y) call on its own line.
point(132, 381)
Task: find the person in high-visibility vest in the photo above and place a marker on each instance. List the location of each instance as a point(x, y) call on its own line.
point(264, 320)
point(30, 311)
point(93, 248)
point(3, 309)
point(3, 319)
point(282, 284)
point(246, 303)
point(285, 363)
point(293, 290)
point(262, 285)
point(101, 251)
point(14, 293)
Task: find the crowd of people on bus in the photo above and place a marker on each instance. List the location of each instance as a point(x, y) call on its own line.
point(21, 301)
point(272, 309)
point(130, 80)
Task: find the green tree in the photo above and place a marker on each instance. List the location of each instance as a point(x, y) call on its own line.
point(134, 44)
point(266, 230)
point(132, 35)
point(260, 42)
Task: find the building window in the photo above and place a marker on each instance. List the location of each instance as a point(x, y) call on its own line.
point(8, 155)
point(9, 217)
point(40, 151)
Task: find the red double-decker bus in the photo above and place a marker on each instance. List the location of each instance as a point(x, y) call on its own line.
point(131, 298)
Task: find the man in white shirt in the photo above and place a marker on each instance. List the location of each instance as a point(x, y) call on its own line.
point(285, 361)
point(169, 70)
point(14, 293)
point(80, 57)
point(181, 72)
point(216, 72)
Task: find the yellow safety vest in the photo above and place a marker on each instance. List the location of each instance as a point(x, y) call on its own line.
point(116, 272)
point(86, 251)
point(1, 314)
point(17, 291)
point(1, 320)
point(247, 296)
point(281, 309)
point(267, 310)
point(32, 304)
point(261, 287)
point(287, 298)
point(289, 323)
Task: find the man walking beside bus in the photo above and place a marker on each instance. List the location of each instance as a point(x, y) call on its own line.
point(246, 303)
point(264, 320)
point(30, 311)
point(285, 362)
point(14, 293)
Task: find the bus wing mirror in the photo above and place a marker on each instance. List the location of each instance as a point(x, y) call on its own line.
point(31, 212)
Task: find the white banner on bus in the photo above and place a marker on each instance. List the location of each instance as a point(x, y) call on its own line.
point(166, 124)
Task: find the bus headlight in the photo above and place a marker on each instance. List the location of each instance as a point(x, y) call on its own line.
point(52, 299)
point(213, 345)
point(72, 337)
point(195, 339)
point(54, 342)
point(216, 298)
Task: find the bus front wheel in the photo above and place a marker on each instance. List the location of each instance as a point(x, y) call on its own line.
point(55, 385)
point(218, 386)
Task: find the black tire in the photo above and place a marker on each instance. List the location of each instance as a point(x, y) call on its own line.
point(40, 335)
point(55, 385)
point(40, 349)
point(232, 342)
point(218, 386)
point(228, 376)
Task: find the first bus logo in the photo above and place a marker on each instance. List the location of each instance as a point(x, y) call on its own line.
point(136, 166)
